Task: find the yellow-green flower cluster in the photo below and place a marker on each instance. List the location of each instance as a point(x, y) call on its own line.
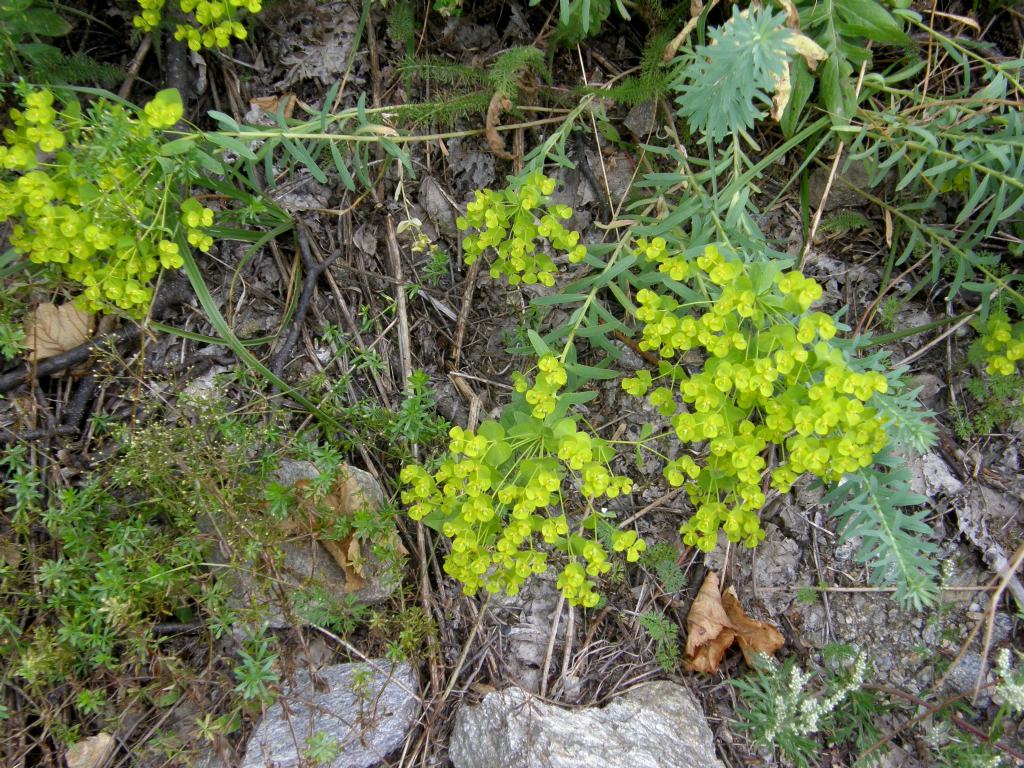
point(1003, 344)
point(542, 395)
point(89, 194)
point(213, 24)
point(500, 492)
point(772, 386)
point(518, 224)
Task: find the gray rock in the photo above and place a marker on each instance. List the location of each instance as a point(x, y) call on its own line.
point(932, 389)
point(306, 563)
point(931, 476)
point(842, 194)
point(777, 564)
point(964, 677)
point(640, 119)
point(528, 616)
point(437, 205)
point(366, 709)
point(656, 725)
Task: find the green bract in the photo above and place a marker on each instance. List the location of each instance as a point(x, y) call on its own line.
point(92, 194)
point(213, 23)
point(501, 491)
point(517, 222)
point(1002, 343)
point(771, 387)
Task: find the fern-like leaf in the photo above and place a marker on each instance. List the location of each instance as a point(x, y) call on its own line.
point(509, 68)
point(724, 86)
point(845, 221)
point(870, 504)
point(908, 423)
point(402, 25)
point(439, 71)
point(665, 634)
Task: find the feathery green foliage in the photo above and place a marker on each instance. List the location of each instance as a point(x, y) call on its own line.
point(661, 557)
point(724, 85)
point(436, 71)
point(505, 74)
point(870, 504)
point(841, 222)
point(25, 25)
point(654, 80)
point(402, 28)
point(665, 634)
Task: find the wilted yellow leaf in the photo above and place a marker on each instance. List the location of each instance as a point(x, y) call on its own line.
point(810, 50)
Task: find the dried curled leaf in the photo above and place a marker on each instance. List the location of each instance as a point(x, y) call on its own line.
point(716, 621)
point(498, 106)
point(810, 50)
point(345, 498)
point(792, 15)
point(812, 53)
point(52, 330)
point(709, 631)
point(271, 104)
point(754, 637)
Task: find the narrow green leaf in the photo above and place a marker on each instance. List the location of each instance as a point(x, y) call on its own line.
point(298, 151)
point(557, 298)
point(340, 167)
point(538, 344)
point(226, 122)
point(177, 147)
point(231, 145)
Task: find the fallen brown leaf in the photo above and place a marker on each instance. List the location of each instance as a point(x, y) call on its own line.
point(792, 15)
point(348, 555)
point(498, 106)
point(345, 498)
point(90, 752)
point(753, 636)
point(52, 330)
point(270, 104)
point(716, 621)
point(709, 632)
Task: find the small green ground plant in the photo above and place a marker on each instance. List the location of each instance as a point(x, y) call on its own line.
point(143, 553)
point(28, 31)
point(786, 710)
point(789, 712)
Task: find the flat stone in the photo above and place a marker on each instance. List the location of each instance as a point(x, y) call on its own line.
point(841, 195)
point(437, 205)
point(641, 119)
point(931, 476)
point(656, 725)
point(365, 709)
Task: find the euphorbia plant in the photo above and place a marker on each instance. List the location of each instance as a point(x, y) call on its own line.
point(89, 191)
point(774, 399)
